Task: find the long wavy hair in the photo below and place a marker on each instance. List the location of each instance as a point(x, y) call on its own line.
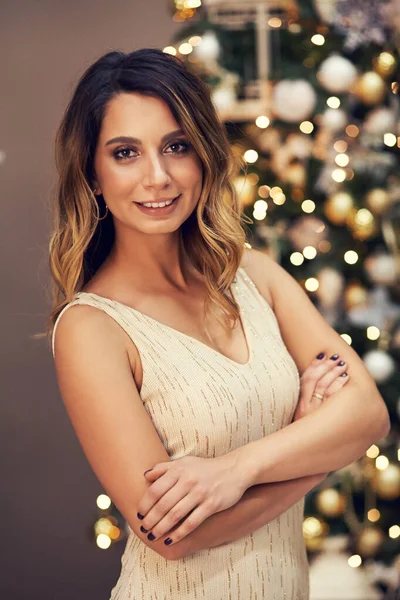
point(212, 238)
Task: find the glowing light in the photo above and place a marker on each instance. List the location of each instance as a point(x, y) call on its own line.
point(311, 284)
point(279, 199)
point(394, 531)
point(264, 191)
point(275, 191)
point(192, 3)
point(340, 146)
point(389, 139)
point(352, 130)
point(274, 22)
point(309, 252)
point(351, 257)
point(373, 451)
point(338, 175)
point(347, 338)
point(373, 515)
point(318, 39)
point(170, 50)
point(364, 217)
point(355, 560)
point(324, 246)
point(312, 527)
point(253, 178)
point(185, 48)
point(333, 102)
point(382, 463)
point(195, 40)
point(103, 502)
point(297, 259)
point(306, 127)
point(262, 122)
point(250, 156)
point(342, 160)
point(308, 206)
point(103, 541)
point(260, 205)
point(373, 333)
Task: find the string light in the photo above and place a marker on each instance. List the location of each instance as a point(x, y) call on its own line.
point(169, 50)
point(103, 501)
point(318, 39)
point(264, 191)
point(306, 127)
point(260, 205)
point(340, 146)
point(347, 338)
point(311, 284)
point(274, 22)
point(309, 252)
point(373, 332)
point(355, 561)
point(185, 48)
point(297, 259)
point(250, 156)
point(333, 102)
point(262, 122)
point(374, 515)
point(394, 532)
point(352, 130)
point(389, 139)
point(382, 462)
point(338, 175)
point(195, 40)
point(342, 160)
point(351, 257)
point(308, 206)
point(373, 451)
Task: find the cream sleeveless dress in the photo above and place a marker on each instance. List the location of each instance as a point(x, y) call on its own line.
point(205, 404)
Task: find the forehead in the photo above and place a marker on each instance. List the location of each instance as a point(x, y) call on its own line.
point(134, 114)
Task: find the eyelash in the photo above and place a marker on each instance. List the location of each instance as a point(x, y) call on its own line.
point(185, 146)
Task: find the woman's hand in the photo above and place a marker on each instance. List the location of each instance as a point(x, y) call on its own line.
point(199, 486)
point(323, 377)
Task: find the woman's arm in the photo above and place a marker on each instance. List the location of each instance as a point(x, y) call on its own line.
point(345, 425)
point(258, 506)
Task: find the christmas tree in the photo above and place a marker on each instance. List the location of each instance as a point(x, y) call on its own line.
point(309, 96)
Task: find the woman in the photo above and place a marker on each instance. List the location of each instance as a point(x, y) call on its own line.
point(181, 352)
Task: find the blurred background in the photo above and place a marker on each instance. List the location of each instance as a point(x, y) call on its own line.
point(308, 91)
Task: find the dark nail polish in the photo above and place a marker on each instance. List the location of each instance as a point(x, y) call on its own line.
point(151, 537)
point(341, 363)
point(334, 356)
point(321, 355)
point(143, 529)
point(140, 516)
point(343, 375)
point(167, 541)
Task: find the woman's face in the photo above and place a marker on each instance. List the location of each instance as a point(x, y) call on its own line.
point(158, 164)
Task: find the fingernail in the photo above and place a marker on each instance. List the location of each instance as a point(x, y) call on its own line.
point(147, 471)
point(140, 516)
point(341, 363)
point(334, 356)
point(167, 541)
point(143, 529)
point(343, 375)
point(321, 355)
point(151, 537)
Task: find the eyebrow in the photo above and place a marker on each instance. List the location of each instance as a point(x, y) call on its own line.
point(132, 140)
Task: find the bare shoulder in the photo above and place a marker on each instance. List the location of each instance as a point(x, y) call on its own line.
point(259, 267)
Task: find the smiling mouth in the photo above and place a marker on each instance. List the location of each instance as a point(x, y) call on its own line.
point(158, 201)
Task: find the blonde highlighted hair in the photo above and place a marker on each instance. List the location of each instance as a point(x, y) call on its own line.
point(212, 238)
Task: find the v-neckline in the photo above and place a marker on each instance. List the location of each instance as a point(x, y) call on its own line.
point(242, 318)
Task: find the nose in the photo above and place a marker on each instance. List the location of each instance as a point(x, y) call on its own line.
point(156, 173)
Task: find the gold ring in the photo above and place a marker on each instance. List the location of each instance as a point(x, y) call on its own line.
point(319, 396)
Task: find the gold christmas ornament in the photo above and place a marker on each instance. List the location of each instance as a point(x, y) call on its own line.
point(384, 64)
point(362, 223)
point(330, 502)
point(386, 482)
point(338, 206)
point(355, 295)
point(370, 88)
point(378, 200)
point(369, 541)
point(315, 531)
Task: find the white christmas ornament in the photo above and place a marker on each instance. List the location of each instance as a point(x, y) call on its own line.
point(334, 119)
point(294, 100)
point(379, 364)
point(332, 578)
point(379, 121)
point(337, 74)
point(381, 268)
point(209, 47)
point(223, 97)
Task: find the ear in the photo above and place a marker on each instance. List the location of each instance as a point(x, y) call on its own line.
point(96, 188)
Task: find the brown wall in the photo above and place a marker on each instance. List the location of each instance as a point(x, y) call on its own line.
point(47, 489)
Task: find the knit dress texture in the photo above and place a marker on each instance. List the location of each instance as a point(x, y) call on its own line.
point(205, 404)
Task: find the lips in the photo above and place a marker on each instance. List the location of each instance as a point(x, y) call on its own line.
point(159, 200)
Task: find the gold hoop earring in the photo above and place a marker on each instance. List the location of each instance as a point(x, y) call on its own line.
point(102, 218)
